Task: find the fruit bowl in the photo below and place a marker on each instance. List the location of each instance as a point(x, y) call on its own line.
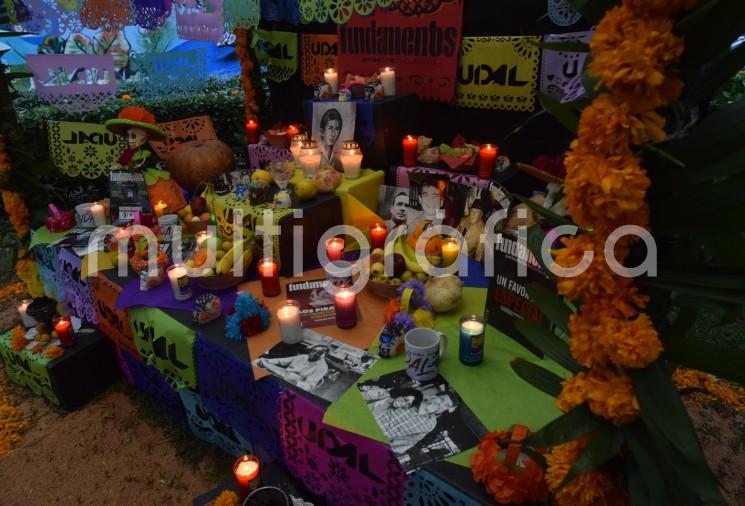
point(223, 276)
point(221, 281)
point(384, 290)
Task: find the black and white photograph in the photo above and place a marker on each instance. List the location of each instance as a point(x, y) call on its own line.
point(318, 364)
point(393, 205)
point(424, 422)
point(428, 200)
point(333, 123)
point(475, 206)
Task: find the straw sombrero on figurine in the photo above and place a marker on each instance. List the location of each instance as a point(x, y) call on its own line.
point(133, 116)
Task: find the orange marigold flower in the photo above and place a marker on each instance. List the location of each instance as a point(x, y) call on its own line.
point(609, 125)
point(17, 211)
point(54, 351)
point(611, 395)
point(17, 338)
point(584, 342)
point(631, 53)
point(631, 343)
point(605, 190)
point(572, 393)
point(594, 488)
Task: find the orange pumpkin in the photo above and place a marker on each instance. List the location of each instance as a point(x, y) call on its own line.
point(197, 163)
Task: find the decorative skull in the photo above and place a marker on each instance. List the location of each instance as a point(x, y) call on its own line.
point(136, 137)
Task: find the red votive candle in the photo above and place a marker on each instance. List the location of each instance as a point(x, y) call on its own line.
point(346, 309)
point(378, 232)
point(269, 275)
point(292, 130)
point(410, 145)
point(246, 471)
point(487, 160)
point(335, 249)
point(63, 327)
point(252, 131)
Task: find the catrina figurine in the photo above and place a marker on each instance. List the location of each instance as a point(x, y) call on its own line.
point(137, 126)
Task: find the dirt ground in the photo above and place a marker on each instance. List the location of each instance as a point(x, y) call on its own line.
point(118, 450)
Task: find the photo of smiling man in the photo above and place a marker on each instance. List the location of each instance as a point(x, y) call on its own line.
point(333, 122)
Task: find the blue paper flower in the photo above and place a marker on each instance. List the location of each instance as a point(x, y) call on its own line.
point(249, 317)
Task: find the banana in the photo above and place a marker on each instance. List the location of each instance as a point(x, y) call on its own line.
point(408, 254)
point(245, 247)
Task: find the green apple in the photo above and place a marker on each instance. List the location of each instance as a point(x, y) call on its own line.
point(378, 251)
point(395, 281)
point(406, 276)
point(421, 276)
point(377, 269)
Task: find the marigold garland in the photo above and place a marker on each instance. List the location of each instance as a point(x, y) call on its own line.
point(507, 484)
point(595, 487)
point(243, 50)
point(11, 289)
point(227, 498)
point(730, 394)
point(632, 51)
point(13, 202)
point(12, 423)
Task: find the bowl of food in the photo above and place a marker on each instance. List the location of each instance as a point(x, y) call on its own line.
point(221, 274)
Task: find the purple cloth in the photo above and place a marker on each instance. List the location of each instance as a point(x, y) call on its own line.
point(262, 153)
point(402, 176)
point(161, 297)
point(77, 292)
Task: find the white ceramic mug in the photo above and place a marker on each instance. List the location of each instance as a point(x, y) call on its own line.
point(424, 348)
point(85, 217)
point(166, 224)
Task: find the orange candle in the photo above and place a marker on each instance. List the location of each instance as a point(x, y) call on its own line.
point(269, 275)
point(292, 130)
point(252, 131)
point(63, 327)
point(160, 208)
point(410, 147)
point(378, 232)
point(487, 160)
point(335, 249)
point(246, 470)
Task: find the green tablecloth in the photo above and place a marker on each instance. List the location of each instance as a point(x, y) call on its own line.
point(492, 390)
point(44, 236)
point(27, 368)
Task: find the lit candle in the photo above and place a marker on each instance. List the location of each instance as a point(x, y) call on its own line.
point(202, 236)
point(160, 208)
point(335, 248)
point(472, 329)
point(378, 232)
point(410, 150)
point(63, 327)
point(99, 214)
point(290, 328)
point(310, 158)
point(28, 321)
point(388, 80)
point(487, 160)
point(331, 77)
point(246, 471)
point(450, 250)
point(293, 130)
point(351, 159)
point(269, 276)
point(296, 142)
point(346, 309)
point(179, 279)
point(252, 131)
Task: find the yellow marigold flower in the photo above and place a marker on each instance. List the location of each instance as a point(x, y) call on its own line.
point(605, 190)
point(594, 488)
point(631, 343)
point(609, 125)
point(611, 395)
point(664, 8)
point(227, 498)
point(572, 393)
point(631, 53)
point(17, 212)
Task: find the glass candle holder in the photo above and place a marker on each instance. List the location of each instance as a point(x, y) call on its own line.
point(160, 208)
point(246, 470)
point(296, 142)
point(252, 131)
point(410, 144)
point(487, 160)
point(269, 276)
point(335, 248)
point(351, 159)
point(180, 284)
point(26, 318)
point(450, 250)
point(290, 326)
point(310, 158)
point(472, 330)
point(378, 233)
point(63, 327)
point(345, 301)
point(99, 214)
point(331, 76)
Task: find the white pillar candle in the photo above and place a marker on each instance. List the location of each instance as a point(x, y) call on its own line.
point(310, 158)
point(331, 77)
point(295, 144)
point(388, 80)
point(179, 279)
point(99, 214)
point(28, 321)
point(289, 322)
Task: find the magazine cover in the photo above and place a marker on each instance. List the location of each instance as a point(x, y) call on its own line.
point(316, 304)
point(128, 195)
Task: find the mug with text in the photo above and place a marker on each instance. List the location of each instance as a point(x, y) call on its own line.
point(424, 349)
point(84, 215)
